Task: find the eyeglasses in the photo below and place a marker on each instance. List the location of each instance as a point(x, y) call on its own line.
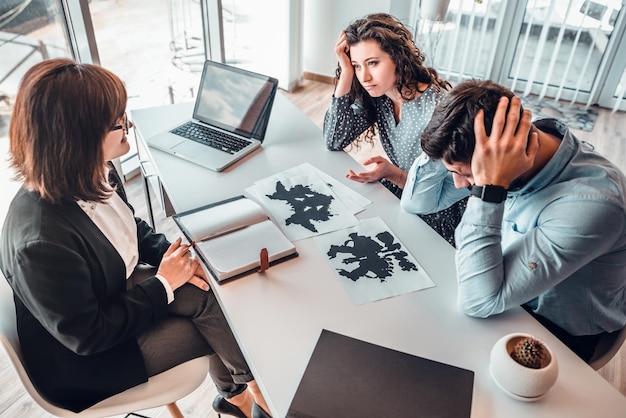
point(126, 124)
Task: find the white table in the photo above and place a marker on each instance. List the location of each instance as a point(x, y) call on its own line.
point(278, 316)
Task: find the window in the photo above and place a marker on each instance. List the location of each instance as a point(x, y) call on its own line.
point(30, 31)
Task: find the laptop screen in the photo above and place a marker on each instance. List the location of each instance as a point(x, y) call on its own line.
point(234, 99)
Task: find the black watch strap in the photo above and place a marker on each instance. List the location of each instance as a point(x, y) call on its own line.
point(489, 193)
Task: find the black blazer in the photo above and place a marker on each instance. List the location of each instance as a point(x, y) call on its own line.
point(76, 321)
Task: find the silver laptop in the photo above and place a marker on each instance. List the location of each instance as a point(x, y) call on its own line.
point(229, 120)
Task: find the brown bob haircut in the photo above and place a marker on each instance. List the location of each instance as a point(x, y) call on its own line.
point(63, 111)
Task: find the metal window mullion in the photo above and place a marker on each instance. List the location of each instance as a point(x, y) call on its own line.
point(522, 52)
point(481, 42)
point(540, 47)
point(510, 29)
point(468, 41)
point(80, 32)
point(557, 96)
point(453, 44)
point(213, 30)
point(582, 74)
point(555, 52)
point(620, 97)
point(612, 61)
point(494, 49)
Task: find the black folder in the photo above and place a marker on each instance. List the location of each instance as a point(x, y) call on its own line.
point(346, 377)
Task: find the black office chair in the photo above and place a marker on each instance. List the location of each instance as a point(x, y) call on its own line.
point(606, 349)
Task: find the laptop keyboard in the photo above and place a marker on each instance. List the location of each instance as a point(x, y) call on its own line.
point(211, 137)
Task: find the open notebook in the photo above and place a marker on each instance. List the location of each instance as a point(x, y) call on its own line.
point(230, 235)
point(229, 120)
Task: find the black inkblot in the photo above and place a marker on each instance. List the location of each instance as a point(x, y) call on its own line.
point(306, 204)
point(375, 258)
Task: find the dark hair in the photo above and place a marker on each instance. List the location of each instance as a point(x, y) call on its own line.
point(63, 111)
point(396, 40)
point(449, 136)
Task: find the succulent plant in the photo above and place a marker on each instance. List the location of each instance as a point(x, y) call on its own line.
point(529, 352)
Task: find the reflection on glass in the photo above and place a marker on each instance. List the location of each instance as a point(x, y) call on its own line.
point(256, 37)
point(153, 45)
point(562, 42)
point(234, 100)
point(620, 91)
point(550, 48)
point(30, 31)
point(462, 45)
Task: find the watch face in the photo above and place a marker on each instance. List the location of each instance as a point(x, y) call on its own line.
point(494, 194)
point(489, 193)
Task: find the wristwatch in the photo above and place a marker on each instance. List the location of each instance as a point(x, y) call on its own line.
point(489, 193)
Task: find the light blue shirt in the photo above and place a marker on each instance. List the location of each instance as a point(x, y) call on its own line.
point(557, 244)
point(429, 187)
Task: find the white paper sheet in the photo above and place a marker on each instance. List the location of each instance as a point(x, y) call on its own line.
point(355, 202)
point(371, 263)
point(302, 205)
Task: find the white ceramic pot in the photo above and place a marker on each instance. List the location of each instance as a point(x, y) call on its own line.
point(517, 380)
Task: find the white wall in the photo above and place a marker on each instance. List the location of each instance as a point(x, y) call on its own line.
point(324, 19)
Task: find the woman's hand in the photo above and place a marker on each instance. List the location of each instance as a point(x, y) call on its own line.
point(509, 151)
point(199, 278)
point(382, 168)
point(179, 266)
point(342, 50)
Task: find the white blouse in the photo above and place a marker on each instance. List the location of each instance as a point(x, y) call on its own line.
point(116, 221)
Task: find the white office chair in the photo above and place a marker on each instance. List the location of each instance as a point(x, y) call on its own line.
point(163, 389)
point(606, 349)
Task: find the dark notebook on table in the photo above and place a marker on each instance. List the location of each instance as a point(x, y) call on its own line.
point(347, 377)
point(229, 121)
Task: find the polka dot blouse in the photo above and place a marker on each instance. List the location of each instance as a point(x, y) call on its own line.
point(345, 122)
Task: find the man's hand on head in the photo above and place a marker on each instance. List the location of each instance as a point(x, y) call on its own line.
point(511, 148)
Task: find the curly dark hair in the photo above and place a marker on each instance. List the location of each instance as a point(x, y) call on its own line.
point(396, 40)
point(449, 136)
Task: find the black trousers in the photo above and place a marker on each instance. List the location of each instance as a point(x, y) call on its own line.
point(583, 345)
point(196, 327)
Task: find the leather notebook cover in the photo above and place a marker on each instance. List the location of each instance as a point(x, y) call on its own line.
point(347, 377)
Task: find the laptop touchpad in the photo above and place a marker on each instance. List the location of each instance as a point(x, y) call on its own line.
point(189, 149)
